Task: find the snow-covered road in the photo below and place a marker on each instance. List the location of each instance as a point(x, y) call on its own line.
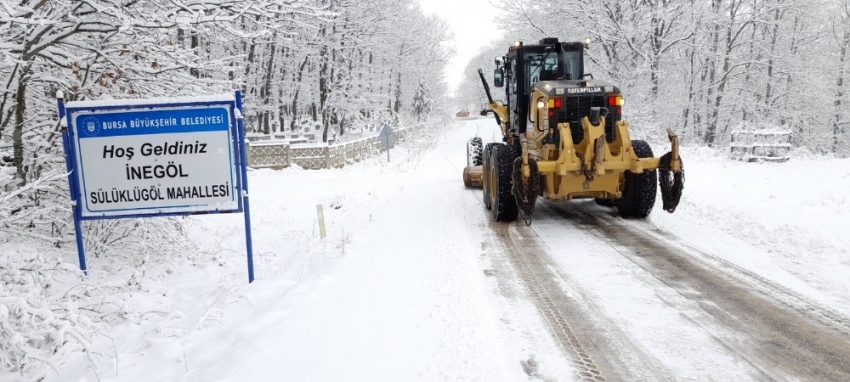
point(649, 304)
point(747, 281)
point(654, 308)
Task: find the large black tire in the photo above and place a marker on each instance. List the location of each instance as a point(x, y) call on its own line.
point(473, 152)
point(504, 203)
point(526, 192)
point(485, 176)
point(640, 189)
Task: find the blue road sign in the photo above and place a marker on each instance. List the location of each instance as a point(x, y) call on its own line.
point(139, 158)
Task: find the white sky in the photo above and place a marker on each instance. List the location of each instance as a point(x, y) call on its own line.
point(473, 24)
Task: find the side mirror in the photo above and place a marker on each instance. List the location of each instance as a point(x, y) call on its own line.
point(498, 78)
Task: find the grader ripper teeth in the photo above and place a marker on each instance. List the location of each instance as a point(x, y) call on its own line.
point(472, 175)
point(564, 138)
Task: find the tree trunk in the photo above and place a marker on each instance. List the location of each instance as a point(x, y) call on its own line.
point(265, 94)
point(774, 35)
point(712, 72)
point(397, 105)
point(710, 134)
point(745, 105)
point(195, 41)
point(18, 132)
point(4, 119)
point(656, 40)
point(324, 91)
point(711, 129)
point(691, 102)
point(837, 126)
point(297, 91)
point(794, 49)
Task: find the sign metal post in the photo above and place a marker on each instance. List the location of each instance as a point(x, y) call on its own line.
point(72, 184)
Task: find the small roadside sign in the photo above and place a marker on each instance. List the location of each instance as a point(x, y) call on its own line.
point(387, 139)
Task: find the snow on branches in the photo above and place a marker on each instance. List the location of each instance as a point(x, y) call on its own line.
point(330, 65)
point(38, 324)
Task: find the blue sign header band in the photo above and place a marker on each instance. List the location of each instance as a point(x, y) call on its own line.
point(178, 120)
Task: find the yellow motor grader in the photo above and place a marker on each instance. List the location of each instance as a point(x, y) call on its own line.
point(564, 138)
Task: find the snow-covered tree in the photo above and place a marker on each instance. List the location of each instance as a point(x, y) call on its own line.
point(706, 67)
point(328, 65)
point(423, 105)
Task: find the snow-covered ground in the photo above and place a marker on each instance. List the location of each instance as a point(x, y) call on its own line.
point(398, 289)
point(793, 218)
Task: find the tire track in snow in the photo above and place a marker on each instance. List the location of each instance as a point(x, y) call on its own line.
point(597, 351)
point(782, 342)
point(581, 343)
point(523, 256)
point(823, 314)
point(521, 248)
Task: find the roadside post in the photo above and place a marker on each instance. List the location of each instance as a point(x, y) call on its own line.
point(321, 217)
point(387, 139)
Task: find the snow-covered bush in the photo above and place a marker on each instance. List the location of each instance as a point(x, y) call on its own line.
point(38, 323)
point(48, 309)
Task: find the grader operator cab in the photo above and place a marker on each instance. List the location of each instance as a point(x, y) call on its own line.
point(564, 138)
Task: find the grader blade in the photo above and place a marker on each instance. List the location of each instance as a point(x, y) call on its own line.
point(671, 175)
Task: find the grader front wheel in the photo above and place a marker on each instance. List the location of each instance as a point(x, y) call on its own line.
point(640, 189)
point(527, 190)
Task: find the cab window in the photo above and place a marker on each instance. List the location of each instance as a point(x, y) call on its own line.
point(543, 66)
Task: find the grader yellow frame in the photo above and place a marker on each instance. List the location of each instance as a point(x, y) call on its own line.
point(593, 168)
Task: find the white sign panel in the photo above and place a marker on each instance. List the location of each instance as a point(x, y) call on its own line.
point(157, 160)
